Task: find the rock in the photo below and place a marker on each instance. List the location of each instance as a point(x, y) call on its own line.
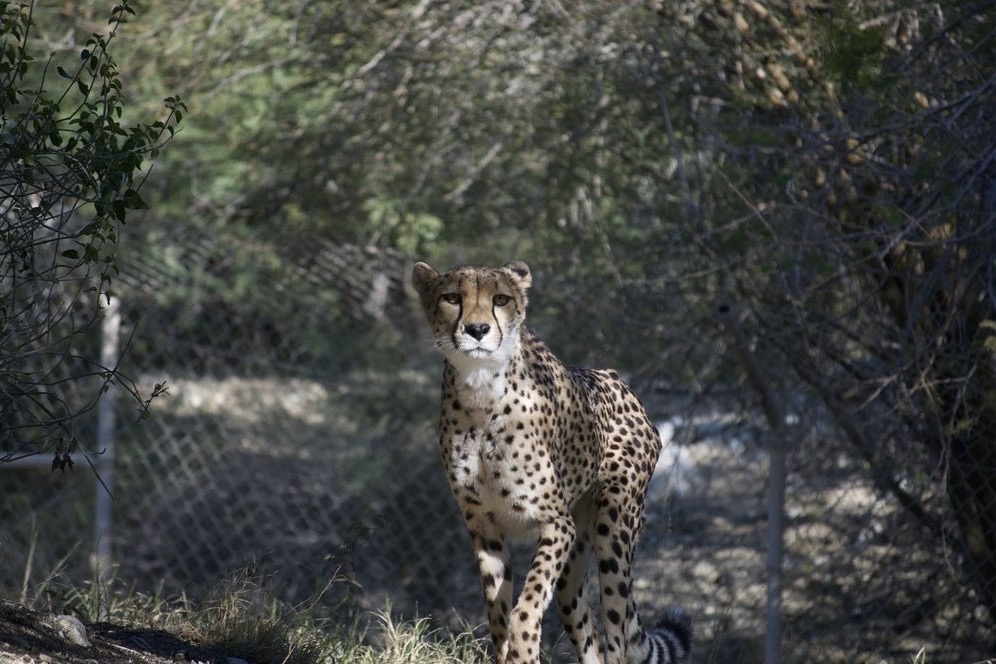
point(71, 629)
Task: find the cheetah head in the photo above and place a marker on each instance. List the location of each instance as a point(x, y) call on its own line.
point(475, 312)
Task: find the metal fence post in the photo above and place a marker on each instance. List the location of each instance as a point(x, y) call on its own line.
point(110, 328)
point(774, 412)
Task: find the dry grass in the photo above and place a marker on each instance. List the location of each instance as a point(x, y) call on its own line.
point(242, 619)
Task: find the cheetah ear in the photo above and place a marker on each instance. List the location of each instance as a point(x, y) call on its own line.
point(520, 274)
point(422, 274)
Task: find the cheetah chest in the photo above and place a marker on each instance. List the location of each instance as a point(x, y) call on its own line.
point(499, 461)
point(521, 460)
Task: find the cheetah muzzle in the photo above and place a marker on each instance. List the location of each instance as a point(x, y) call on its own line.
point(532, 446)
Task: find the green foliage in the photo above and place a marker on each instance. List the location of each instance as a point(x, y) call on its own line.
point(72, 170)
point(410, 233)
point(853, 55)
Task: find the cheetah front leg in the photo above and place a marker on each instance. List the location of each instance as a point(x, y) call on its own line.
point(495, 570)
point(556, 538)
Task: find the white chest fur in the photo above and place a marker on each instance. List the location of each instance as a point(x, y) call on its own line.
point(487, 453)
point(482, 388)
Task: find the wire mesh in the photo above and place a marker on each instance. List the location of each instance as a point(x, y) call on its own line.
point(297, 440)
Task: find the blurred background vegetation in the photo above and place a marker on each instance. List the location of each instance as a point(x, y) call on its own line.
point(827, 171)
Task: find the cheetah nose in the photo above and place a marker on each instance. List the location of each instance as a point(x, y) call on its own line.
point(476, 330)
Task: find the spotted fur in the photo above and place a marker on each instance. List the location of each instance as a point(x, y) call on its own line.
point(532, 446)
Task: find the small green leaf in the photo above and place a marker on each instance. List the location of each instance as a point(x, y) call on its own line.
point(71, 254)
point(134, 201)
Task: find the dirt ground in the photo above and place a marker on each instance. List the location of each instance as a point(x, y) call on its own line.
point(27, 637)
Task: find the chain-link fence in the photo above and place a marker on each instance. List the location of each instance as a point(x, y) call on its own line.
point(297, 440)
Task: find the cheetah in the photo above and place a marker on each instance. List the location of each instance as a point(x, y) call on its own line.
point(531, 446)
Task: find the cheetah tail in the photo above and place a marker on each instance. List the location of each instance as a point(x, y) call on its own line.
point(671, 640)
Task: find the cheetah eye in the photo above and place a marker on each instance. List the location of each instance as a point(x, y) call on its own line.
point(501, 299)
point(452, 298)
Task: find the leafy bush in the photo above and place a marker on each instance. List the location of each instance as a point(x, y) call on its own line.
point(71, 173)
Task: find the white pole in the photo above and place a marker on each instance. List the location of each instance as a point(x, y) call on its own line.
point(110, 329)
point(778, 451)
